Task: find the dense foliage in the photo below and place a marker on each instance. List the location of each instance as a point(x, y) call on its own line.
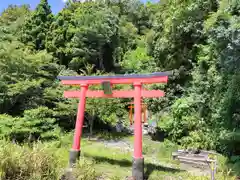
point(197, 40)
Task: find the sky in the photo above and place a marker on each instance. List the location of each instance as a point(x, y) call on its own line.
point(56, 5)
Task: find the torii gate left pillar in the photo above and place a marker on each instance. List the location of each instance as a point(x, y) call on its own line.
point(138, 93)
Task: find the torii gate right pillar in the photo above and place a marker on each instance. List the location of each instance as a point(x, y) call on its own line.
point(138, 160)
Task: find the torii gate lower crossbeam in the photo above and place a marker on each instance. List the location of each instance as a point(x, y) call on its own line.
point(138, 93)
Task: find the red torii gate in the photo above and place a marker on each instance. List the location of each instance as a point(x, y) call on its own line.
point(107, 81)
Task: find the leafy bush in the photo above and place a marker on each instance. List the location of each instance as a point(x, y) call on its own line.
point(41, 162)
point(35, 124)
point(22, 163)
point(85, 171)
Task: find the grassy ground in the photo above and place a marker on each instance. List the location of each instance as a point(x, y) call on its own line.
point(114, 162)
point(98, 159)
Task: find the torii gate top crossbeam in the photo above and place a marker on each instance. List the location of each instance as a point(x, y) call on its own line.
point(157, 77)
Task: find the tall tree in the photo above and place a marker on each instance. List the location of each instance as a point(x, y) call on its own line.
point(96, 37)
point(11, 20)
point(13, 13)
point(36, 27)
point(61, 33)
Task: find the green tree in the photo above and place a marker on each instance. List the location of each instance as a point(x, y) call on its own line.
point(11, 20)
point(61, 33)
point(208, 114)
point(14, 13)
point(96, 37)
point(137, 60)
point(36, 26)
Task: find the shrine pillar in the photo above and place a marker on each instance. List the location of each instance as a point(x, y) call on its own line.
point(76, 147)
point(138, 160)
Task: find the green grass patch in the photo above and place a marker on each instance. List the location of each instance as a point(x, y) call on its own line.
point(45, 161)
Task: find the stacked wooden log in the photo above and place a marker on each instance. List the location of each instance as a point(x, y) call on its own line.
point(204, 160)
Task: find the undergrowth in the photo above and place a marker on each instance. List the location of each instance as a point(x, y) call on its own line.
point(39, 162)
point(47, 161)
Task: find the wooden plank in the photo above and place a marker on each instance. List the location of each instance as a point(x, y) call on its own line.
point(195, 159)
point(115, 94)
point(196, 164)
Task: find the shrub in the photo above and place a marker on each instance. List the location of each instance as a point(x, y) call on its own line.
point(22, 163)
point(85, 171)
point(41, 162)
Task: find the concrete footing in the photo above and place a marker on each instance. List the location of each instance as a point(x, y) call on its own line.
point(68, 175)
point(138, 169)
point(73, 157)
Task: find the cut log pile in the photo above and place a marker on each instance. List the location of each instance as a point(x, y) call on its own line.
point(204, 160)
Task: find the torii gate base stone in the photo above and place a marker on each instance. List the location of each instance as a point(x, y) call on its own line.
point(107, 81)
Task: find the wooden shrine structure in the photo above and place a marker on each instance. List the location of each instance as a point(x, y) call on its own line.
point(143, 110)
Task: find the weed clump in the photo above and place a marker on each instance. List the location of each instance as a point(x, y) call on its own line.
point(23, 162)
point(39, 162)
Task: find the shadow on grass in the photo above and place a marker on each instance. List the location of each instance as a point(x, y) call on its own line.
point(149, 167)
